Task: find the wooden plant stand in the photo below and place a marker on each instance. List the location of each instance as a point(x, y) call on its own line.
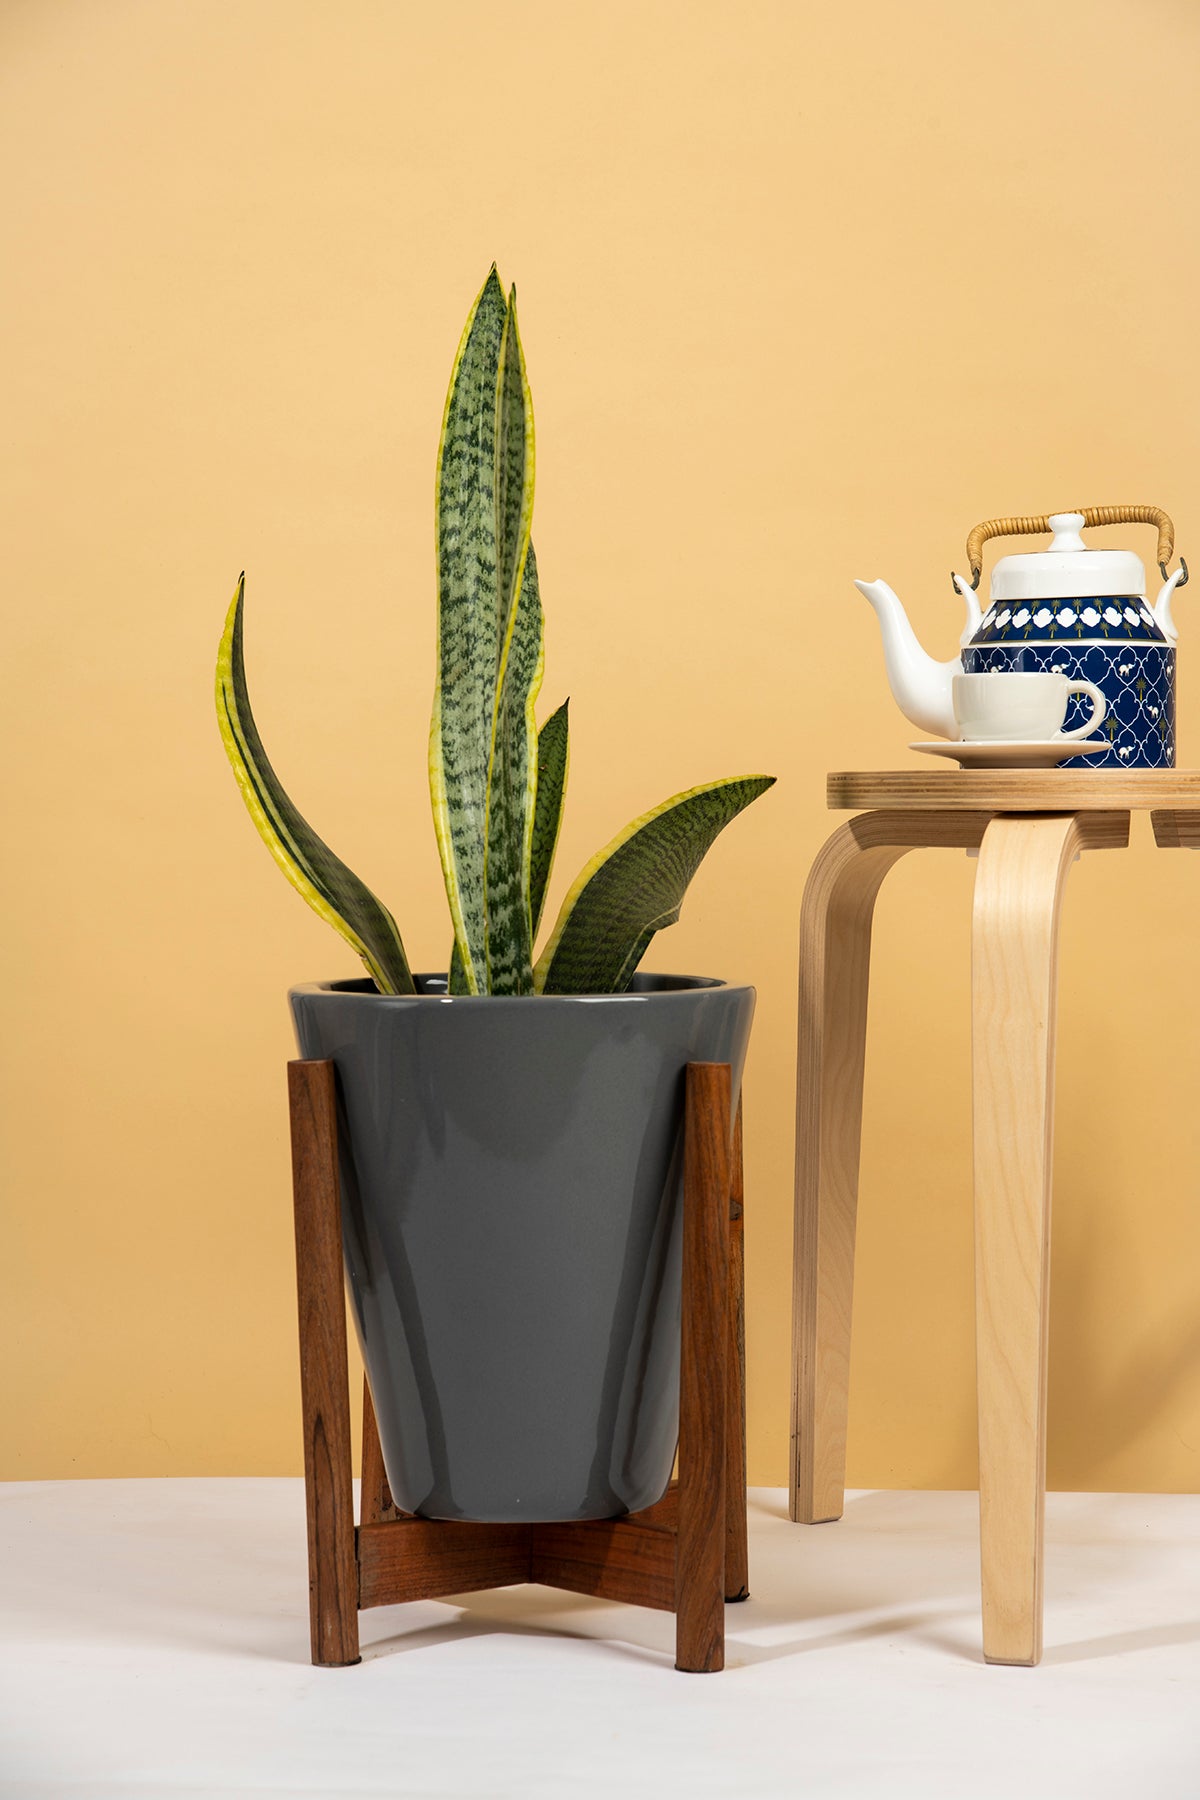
point(686, 1554)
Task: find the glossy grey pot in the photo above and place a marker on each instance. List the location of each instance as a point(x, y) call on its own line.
point(511, 1184)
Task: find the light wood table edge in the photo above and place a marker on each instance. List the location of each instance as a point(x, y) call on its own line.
point(1014, 790)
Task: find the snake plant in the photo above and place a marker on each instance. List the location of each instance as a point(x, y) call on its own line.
point(496, 780)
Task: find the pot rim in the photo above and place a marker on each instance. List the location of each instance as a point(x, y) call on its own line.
point(677, 987)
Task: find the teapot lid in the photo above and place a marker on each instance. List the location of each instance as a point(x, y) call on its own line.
point(1068, 570)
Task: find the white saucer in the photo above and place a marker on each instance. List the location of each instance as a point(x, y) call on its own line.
point(1007, 755)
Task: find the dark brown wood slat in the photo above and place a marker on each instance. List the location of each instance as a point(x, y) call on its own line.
point(737, 1572)
point(663, 1512)
point(375, 1505)
point(700, 1548)
point(425, 1559)
point(613, 1559)
point(324, 1372)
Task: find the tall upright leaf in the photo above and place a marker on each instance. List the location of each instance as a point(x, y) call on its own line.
point(512, 772)
point(469, 615)
point(331, 889)
point(514, 468)
point(635, 886)
point(512, 791)
point(553, 757)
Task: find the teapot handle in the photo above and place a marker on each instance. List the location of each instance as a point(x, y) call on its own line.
point(1092, 515)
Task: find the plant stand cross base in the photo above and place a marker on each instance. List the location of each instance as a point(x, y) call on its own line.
point(686, 1554)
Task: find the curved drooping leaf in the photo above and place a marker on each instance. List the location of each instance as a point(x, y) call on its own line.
point(331, 889)
point(512, 792)
point(553, 750)
point(635, 886)
point(469, 623)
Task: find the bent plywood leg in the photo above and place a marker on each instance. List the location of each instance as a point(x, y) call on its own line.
point(324, 1374)
point(835, 949)
point(1018, 895)
point(1176, 830)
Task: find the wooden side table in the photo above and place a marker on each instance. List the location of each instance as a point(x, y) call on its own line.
point(1028, 827)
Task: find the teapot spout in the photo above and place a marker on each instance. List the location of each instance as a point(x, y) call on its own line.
point(920, 686)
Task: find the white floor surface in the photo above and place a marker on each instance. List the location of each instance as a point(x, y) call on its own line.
point(154, 1645)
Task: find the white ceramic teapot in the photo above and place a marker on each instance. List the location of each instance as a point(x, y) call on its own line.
point(1069, 609)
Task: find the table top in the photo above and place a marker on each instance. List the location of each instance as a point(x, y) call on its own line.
point(1015, 790)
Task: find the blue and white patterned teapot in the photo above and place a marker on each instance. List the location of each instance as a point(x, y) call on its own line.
point(1082, 613)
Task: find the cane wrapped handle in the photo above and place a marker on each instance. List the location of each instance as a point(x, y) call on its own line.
point(1091, 515)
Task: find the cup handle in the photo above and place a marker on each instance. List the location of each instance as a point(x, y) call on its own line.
point(1099, 708)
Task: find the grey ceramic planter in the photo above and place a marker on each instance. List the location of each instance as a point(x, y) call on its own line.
point(511, 1185)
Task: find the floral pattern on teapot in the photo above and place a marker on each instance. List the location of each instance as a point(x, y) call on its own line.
point(1124, 616)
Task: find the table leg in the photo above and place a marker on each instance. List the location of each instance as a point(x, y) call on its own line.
point(835, 951)
point(1018, 895)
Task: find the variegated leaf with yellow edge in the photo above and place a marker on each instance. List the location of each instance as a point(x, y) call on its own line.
point(474, 479)
point(635, 887)
point(331, 889)
point(553, 760)
point(513, 764)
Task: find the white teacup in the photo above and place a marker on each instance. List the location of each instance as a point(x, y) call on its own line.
point(1014, 707)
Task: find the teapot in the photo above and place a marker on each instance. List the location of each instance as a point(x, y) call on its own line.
point(1069, 609)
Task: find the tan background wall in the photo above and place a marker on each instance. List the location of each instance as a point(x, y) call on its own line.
point(805, 291)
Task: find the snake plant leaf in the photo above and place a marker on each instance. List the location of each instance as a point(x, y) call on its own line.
point(553, 747)
point(553, 760)
point(331, 889)
point(457, 980)
point(635, 886)
point(512, 793)
point(469, 613)
point(515, 458)
point(512, 769)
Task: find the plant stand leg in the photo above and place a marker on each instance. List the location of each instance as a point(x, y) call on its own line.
point(700, 1543)
point(737, 1572)
point(375, 1504)
point(324, 1374)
